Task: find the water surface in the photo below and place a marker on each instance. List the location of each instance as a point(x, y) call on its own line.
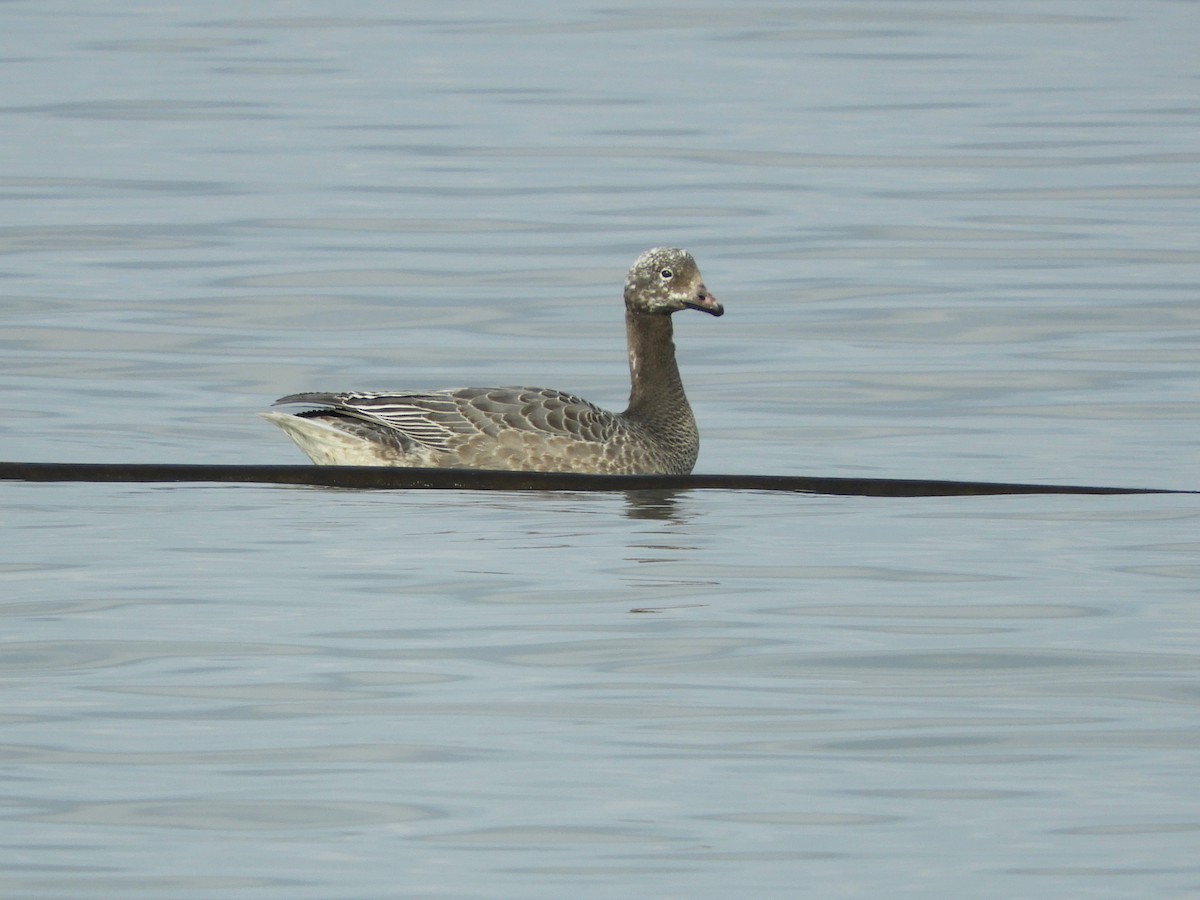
point(953, 242)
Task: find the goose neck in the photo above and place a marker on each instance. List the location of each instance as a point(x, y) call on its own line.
point(656, 389)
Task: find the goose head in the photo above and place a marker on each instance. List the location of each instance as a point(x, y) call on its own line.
point(665, 280)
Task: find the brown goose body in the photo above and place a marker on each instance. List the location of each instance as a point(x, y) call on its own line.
point(530, 429)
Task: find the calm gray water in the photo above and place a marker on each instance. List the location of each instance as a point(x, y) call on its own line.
point(953, 242)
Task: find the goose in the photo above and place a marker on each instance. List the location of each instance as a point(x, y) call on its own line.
point(527, 428)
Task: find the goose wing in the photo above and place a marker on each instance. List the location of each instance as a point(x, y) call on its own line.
point(436, 419)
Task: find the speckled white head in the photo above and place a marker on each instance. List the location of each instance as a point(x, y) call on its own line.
point(665, 280)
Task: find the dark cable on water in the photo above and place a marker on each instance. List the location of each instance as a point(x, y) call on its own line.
point(398, 478)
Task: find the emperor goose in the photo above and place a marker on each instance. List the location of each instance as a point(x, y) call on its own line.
point(525, 428)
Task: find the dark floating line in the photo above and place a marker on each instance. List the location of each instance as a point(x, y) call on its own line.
point(393, 478)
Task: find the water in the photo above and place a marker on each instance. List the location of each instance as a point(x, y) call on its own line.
point(952, 242)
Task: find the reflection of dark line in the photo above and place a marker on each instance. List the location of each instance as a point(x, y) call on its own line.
point(384, 477)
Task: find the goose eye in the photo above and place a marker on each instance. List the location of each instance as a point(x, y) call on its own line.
point(667, 274)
